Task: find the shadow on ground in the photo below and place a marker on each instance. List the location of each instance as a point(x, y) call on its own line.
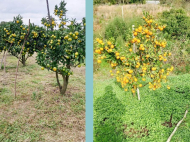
point(104, 108)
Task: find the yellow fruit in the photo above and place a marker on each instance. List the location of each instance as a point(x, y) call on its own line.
point(77, 33)
point(137, 66)
point(140, 85)
point(168, 87)
point(99, 61)
point(100, 41)
point(101, 49)
point(109, 43)
point(54, 69)
point(153, 68)
point(42, 68)
point(76, 53)
point(130, 49)
point(117, 54)
point(130, 71)
point(135, 79)
point(132, 90)
point(135, 33)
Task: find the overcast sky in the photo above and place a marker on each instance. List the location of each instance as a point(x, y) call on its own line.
point(36, 9)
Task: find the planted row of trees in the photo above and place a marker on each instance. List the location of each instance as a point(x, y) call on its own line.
point(59, 45)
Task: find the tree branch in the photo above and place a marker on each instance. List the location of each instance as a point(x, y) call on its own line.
point(177, 127)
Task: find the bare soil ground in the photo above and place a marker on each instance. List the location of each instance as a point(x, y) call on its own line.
point(39, 112)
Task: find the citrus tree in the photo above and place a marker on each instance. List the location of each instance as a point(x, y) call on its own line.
point(142, 61)
point(13, 34)
point(65, 46)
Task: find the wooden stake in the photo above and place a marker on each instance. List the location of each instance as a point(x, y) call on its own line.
point(138, 94)
point(2, 59)
point(5, 58)
point(49, 15)
point(169, 139)
point(20, 54)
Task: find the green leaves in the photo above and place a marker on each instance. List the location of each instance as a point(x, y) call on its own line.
point(62, 46)
point(177, 23)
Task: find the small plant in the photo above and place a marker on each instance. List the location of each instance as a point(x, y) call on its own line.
point(33, 95)
point(144, 56)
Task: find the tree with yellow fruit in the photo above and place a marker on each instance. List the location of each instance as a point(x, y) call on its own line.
point(12, 38)
point(143, 61)
point(65, 46)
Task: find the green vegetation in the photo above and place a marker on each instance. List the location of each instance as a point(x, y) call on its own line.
point(119, 116)
point(178, 24)
point(57, 49)
point(118, 1)
point(121, 29)
point(40, 113)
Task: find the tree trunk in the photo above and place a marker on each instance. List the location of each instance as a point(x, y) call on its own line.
point(23, 60)
point(57, 77)
point(62, 88)
point(65, 83)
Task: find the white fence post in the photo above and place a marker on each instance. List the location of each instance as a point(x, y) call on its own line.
point(134, 50)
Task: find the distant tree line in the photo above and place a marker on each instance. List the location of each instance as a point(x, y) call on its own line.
point(118, 1)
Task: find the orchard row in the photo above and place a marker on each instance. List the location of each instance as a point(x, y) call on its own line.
point(58, 49)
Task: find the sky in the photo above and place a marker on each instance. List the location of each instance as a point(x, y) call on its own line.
point(35, 10)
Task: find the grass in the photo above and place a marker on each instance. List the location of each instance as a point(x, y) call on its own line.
point(119, 116)
point(39, 112)
point(103, 14)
